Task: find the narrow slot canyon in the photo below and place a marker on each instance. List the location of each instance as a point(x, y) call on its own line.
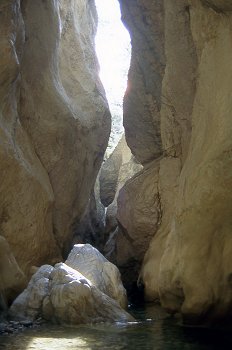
point(115, 159)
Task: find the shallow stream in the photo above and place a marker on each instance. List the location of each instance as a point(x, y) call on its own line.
point(152, 331)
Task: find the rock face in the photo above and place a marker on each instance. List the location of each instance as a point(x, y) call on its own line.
point(70, 126)
point(54, 124)
point(90, 229)
point(187, 264)
point(115, 171)
point(118, 248)
point(142, 101)
point(96, 268)
point(12, 279)
point(63, 295)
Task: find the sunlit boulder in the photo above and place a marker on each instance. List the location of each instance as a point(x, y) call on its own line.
point(64, 295)
point(101, 273)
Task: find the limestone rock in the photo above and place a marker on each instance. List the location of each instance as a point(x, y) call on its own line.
point(139, 216)
point(63, 108)
point(98, 270)
point(142, 101)
point(54, 124)
point(90, 229)
point(187, 266)
point(140, 198)
point(73, 299)
point(26, 195)
point(168, 175)
point(110, 169)
point(28, 305)
point(63, 295)
point(128, 168)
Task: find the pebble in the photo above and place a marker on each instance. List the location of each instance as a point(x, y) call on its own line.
point(10, 327)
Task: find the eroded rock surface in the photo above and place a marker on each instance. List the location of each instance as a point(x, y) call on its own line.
point(142, 101)
point(54, 124)
point(101, 273)
point(64, 295)
point(187, 264)
point(70, 125)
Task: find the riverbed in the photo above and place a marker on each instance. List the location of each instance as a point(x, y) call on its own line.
point(152, 330)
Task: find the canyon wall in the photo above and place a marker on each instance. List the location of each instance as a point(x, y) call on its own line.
point(177, 117)
point(54, 124)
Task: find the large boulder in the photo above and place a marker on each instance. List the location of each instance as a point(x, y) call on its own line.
point(110, 171)
point(138, 213)
point(96, 268)
point(73, 299)
point(64, 295)
point(28, 305)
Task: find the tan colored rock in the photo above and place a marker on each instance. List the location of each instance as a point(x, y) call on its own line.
point(98, 270)
point(128, 168)
point(202, 218)
point(73, 299)
point(63, 295)
point(142, 101)
point(139, 209)
point(28, 305)
point(110, 170)
point(54, 124)
point(64, 109)
point(169, 172)
point(138, 216)
point(26, 195)
point(187, 266)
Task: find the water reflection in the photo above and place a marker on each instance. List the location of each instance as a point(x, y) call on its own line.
point(163, 333)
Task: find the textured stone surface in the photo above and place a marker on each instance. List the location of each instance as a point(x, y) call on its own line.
point(127, 167)
point(139, 210)
point(91, 227)
point(142, 101)
point(219, 5)
point(101, 273)
point(73, 299)
point(138, 216)
point(63, 295)
point(28, 305)
point(64, 110)
point(110, 169)
point(26, 194)
point(187, 264)
point(54, 124)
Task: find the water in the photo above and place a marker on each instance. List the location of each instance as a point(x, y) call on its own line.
point(152, 332)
